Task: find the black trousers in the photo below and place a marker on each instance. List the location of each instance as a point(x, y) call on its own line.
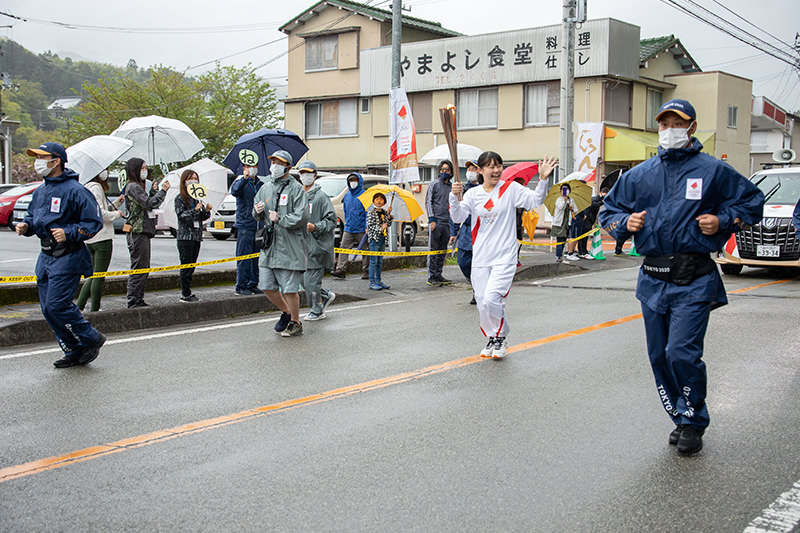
point(187, 252)
point(437, 240)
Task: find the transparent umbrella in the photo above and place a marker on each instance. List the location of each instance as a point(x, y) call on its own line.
point(158, 139)
point(95, 154)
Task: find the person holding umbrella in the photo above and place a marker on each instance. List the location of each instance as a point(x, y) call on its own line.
point(282, 204)
point(191, 214)
point(565, 211)
point(63, 214)
point(244, 189)
point(102, 244)
point(140, 227)
point(320, 226)
point(493, 208)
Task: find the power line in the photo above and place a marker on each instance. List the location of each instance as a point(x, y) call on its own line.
point(726, 8)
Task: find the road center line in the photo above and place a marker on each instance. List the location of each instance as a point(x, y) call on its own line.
point(782, 516)
point(102, 450)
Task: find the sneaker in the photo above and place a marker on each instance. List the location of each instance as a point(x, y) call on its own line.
point(314, 316)
point(365, 275)
point(375, 287)
point(385, 286)
point(90, 354)
point(67, 361)
point(140, 303)
point(254, 290)
point(487, 352)
point(293, 329)
point(473, 302)
point(691, 440)
point(675, 434)
point(328, 300)
point(434, 282)
point(570, 257)
point(444, 281)
point(559, 260)
point(618, 254)
point(190, 298)
point(586, 256)
point(339, 273)
point(242, 292)
point(282, 322)
point(499, 349)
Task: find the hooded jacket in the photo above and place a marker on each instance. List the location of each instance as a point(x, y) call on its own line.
point(190, 220)
point(320, 241)
point(244, 190)
point(674, 188)
point(437, 201)
point(289, 248)
point(64, 203)
point(355, 216)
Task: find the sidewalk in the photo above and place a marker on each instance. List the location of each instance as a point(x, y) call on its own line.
point(22, 323)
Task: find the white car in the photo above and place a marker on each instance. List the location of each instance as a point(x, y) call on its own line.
point(772, 242)
point(221, 224)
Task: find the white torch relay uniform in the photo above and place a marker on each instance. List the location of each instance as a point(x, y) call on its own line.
point(494, 244)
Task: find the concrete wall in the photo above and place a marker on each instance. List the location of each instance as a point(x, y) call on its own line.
point(663, 64)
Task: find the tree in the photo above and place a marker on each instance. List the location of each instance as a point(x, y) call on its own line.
point(22, 169)
point(218, 106)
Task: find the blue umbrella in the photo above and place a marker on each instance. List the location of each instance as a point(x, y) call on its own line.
point(263, 143)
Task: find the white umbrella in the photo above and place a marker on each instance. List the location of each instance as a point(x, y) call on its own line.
point(213, 176)
point(577, 175)
point(466, 152)
point(95, 154)
point(158, 139)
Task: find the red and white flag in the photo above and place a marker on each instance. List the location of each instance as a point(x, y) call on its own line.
point(402, 139)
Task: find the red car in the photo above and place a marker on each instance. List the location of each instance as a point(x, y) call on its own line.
point(9, 198)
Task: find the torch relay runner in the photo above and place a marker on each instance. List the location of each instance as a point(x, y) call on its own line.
point(493, 207)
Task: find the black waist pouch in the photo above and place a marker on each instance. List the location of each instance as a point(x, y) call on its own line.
point(54, 248)
point(264, 237)
point(680, 269)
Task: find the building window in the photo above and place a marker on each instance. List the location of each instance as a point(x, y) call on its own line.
point(332, 118)
point(542, 104)
point(365, 105)
point(759, 141)
point(422, 111)
point(618, 103)
point(733, 116)
point(322, 52)
point(654, 101)
point(477, 108)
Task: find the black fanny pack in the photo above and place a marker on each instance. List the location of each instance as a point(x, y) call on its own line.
point(680, 269)
point(264, 237)
point(54, 248)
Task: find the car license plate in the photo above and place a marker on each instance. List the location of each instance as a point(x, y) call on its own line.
point(764, 250)
point(219, 224)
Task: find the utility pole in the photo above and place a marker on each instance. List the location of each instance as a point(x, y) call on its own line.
point(397, 37)
point(565, 149)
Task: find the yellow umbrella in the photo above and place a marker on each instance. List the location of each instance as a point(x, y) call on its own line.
point(404, 206)
point(579, 191)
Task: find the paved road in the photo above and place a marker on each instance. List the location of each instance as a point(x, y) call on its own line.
point(382, 418)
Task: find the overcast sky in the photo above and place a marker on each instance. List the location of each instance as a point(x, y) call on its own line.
point(712, 49)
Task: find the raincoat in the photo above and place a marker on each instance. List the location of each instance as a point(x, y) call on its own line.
point(320, 241)
point(289, 248)
point(244, 190)
point(355, 216)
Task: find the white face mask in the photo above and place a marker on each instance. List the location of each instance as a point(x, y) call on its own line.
point(251, 171)
point(307, 178)
point(277, 170)
point(103, 175)
point(41, 168)
point(352, 184)
point(472, 177)
point(143, 174)
point(673, 138)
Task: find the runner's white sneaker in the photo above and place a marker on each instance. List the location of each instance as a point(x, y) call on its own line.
point(487, 352)
point(499, 348)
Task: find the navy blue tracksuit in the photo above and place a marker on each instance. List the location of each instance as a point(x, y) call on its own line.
point(244, 190)
point(675, 187)
point(64, 203)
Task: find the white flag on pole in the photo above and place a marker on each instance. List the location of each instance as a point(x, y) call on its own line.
point(588, 139)
point(402, 139)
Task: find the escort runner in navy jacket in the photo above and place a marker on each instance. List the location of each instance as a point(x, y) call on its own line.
point(355, 216)
point(64, 203)
point(674, 188)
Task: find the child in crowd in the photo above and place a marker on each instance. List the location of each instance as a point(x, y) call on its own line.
point(378, 221)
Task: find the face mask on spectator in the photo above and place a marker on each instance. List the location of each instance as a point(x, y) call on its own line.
point(277, 170)
point(472, 177)
point(143, 174)
point(353, 184)
point(307, 178)
point(41, 168)
point(673, 138)
point(103, 175)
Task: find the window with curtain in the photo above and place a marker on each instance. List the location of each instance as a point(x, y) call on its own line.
point(332, 118)
point(422, 111)
point(542, 104)
point(477, 108)
point(654, 101)
point(733, 116)
point(618, 103)
point(322, 52)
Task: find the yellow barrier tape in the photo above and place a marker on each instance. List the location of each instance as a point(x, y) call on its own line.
point(529, 243)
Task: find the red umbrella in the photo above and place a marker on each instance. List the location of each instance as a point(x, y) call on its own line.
point(524, 171)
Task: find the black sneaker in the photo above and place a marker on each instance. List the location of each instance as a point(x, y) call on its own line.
point(473, 302)
point(90, 354)
point(433, 282)
point(676, 434)
point(67, 361)
point(339, 273)
point(443, 281)
point(190, 298)
point(282, 322)
point(691, 440)
point(242, 292)
point(294, 329)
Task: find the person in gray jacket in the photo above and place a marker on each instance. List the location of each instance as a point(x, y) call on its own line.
point(283, 205)
point(437, 203)
point(321, 222)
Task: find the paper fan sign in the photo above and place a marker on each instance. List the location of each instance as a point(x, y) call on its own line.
point(248, 157)
point(122, 180)
point(197, 191)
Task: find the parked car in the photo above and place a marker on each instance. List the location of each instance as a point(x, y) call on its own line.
point(335, 186)
point(10, 198)
point(221, 224)
point(773, 242)
point(7, 187)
